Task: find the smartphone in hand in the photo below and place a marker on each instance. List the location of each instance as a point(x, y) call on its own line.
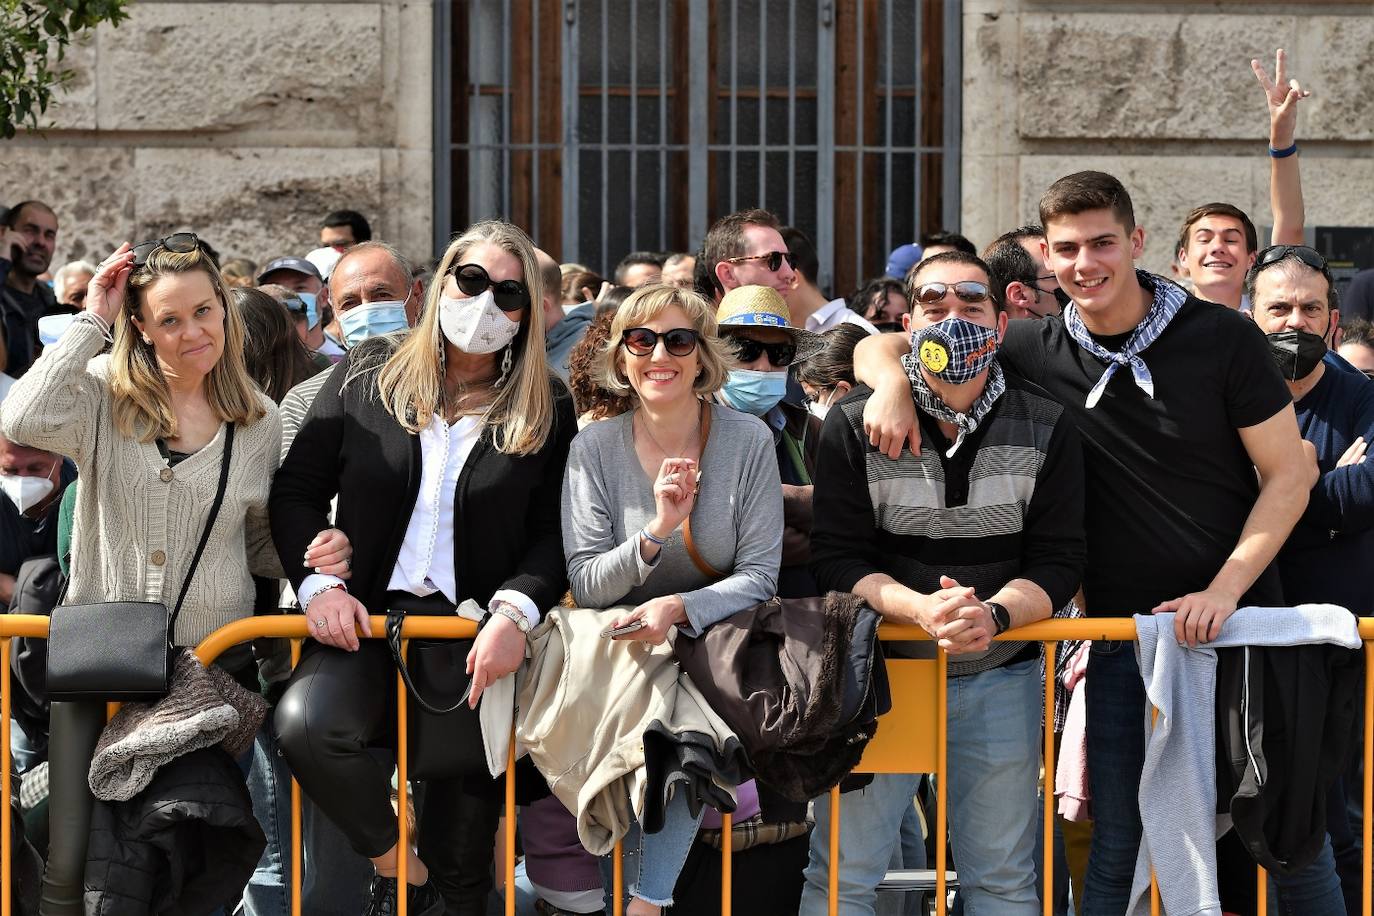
point(613, 632)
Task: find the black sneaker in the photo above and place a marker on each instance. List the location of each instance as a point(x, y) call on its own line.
point(423, 900)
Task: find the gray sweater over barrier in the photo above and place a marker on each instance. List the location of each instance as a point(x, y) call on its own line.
point(736, 523)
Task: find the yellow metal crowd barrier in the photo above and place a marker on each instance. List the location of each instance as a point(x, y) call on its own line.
point(912, 739)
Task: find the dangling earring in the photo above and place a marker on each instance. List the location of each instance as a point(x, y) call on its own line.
point(147, 340)
point(506, 361)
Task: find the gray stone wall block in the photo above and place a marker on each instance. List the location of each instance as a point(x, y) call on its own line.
point(236, 66)
point(90, 189)
point(1110, 75)
point(1335, 59)
point(257, 203)
point(73, 107)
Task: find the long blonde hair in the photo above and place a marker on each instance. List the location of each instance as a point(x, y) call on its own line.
point(411, 382)
point(142, 401)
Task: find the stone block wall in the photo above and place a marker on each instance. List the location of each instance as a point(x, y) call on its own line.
point(1161, 95)
point(245, 121)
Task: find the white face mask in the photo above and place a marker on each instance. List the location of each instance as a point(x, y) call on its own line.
point(820, 408)
point(26, 492)
point(476, 325)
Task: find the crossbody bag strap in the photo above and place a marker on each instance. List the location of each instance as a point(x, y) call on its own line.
point(209, 523)
point(394, 621)
point(688, 541)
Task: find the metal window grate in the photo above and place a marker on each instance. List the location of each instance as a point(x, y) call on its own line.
point(606, 126)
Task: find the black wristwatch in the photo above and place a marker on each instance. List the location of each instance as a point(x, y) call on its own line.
point(1000, 617)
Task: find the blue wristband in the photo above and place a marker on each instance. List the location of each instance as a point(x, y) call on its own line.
point(1283, 153)
point(659, 541)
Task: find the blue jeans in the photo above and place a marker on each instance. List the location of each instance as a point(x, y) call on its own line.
point(1314, 891)
point(992, 769)
point(654, 860)
point(1116, 755)
point(335, 880)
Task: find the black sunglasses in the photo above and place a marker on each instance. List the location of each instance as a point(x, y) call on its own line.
point(473, 280)
point(180, 242)
point(1275, 253)
point(642, 341)
point(775, 259)
point(965, 290)
point(747, 350)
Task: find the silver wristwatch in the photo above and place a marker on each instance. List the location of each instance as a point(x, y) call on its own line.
point(513, 614)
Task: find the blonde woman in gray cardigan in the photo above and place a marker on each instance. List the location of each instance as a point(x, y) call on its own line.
point(632, 482)
point(146, 427)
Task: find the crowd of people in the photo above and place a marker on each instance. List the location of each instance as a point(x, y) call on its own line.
point(597, 467)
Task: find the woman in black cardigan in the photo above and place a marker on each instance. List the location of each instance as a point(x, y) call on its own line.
point(446, 449)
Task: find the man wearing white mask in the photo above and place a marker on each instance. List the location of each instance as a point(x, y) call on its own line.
point(372, 291)
point(755, 322)
point(32, 481)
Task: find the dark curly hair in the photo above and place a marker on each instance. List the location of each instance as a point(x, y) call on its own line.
point(590, 398)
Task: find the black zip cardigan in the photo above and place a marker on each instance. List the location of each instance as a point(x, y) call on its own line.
point(507, 519)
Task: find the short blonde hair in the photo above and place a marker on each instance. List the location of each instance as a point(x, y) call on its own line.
point(646, 304)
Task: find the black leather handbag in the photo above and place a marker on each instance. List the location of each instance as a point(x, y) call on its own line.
point(443, 736)
point(120, 651)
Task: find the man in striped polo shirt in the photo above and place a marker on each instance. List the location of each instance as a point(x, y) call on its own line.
point(980, 532)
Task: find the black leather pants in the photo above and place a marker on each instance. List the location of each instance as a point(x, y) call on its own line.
point(338, 712)
point(74, 731)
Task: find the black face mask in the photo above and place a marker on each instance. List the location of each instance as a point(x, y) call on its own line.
point(887, 327)
point(1062, 298)
point(1297, 353)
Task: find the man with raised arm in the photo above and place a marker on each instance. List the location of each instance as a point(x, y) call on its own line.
point(1195, 472)
point(1217, 243)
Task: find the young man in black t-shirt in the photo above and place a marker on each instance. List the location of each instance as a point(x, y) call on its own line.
point(1195, 472)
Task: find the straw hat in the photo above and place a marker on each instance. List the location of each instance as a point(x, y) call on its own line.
point(764, 307)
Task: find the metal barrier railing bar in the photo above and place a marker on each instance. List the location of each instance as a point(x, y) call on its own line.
point(1050, 632)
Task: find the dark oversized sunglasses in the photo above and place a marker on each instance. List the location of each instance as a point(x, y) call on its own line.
point(774, 262)
point(473, 280)
point(642, 341)
point(180, 242)
point(965, 290)
point(747, 350)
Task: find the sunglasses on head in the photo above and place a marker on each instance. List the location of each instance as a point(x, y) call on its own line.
point(642, 341)
point(965, 290)
point(1275, 253)
point(747, 350)
point(473, 280)
point(180, 242)
point(774, 262)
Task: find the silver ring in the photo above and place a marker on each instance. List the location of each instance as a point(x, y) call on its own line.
point(348, 563)
point(320, 622)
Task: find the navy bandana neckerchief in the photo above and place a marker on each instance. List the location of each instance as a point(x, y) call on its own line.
point(928, 401)
point(1169, 298)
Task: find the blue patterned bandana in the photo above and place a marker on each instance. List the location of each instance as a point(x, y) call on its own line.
point(930, 402)
point(1169, 298)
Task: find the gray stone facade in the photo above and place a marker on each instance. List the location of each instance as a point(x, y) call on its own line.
point(1161, 95)
point(247, 121)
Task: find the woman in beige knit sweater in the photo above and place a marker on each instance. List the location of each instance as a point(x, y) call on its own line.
point(146, 426)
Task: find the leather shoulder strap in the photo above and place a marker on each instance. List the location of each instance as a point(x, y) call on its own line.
point(224, 460)
point(688, 541)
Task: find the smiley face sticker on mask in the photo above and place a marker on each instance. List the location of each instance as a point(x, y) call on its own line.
point(934, 356)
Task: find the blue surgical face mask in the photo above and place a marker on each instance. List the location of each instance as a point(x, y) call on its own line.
point(371, 320)
point(954, 350)
point(753, 391)
point(312, 315)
